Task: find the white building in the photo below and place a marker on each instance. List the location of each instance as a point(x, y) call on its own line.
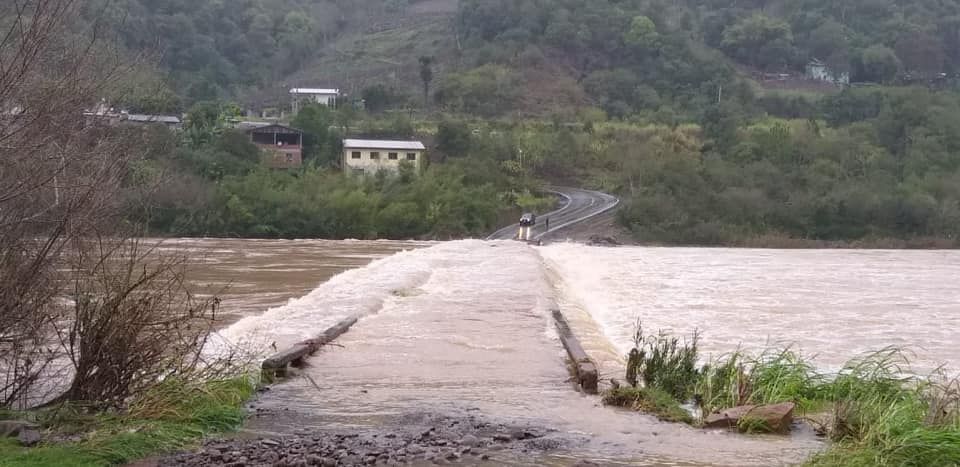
point(367, 157)
point(819, 71)
point(299, 96)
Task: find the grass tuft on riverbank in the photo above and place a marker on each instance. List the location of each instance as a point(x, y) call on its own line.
point(652, 401)
point(175, 414)
point(875, 411)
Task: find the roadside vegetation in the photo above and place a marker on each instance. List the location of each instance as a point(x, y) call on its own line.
point(874, 410)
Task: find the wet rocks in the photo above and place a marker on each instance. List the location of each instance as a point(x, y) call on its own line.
point(12, 428)
point(27, 434)
point(470, 441)
point(600, 240)
point(29, 437)
point(420, 439)
point(775, 418)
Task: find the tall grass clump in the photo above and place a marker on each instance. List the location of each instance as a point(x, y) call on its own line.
point(664, 362)
point(882, 415)
point(772, 377)
point(874, 410)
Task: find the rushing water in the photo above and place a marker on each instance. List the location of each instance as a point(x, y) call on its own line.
point(465, 327)
point(831, 304)
point(252, 276)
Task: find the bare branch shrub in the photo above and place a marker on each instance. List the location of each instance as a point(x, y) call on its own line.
point(56, 173)
point(134, 321)
point(86, 312)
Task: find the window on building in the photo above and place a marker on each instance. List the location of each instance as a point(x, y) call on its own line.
point(393, 156)
point(355, 155)
point(289, 157)
point(411, 156)
point(374, 155)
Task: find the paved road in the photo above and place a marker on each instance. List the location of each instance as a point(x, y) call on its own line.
point(579, 206)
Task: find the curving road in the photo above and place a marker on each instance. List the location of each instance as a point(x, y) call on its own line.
point(579, 206)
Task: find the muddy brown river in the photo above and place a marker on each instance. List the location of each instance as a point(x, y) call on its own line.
point(464, 328)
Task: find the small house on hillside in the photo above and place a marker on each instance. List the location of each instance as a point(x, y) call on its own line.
point(819, 71)
point(367, 157)
point(104, 114)
point(170, 121)
point(301, 96)
point(282, 146)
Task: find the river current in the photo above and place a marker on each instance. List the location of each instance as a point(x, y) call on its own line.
point(465, 327)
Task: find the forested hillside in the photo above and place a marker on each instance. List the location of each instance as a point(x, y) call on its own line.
point(217, 49)
point(627, 55)
point(652, 99)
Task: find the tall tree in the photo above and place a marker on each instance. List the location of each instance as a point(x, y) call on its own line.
point(426, 76)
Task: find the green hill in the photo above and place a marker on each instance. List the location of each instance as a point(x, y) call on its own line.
point(499, 57)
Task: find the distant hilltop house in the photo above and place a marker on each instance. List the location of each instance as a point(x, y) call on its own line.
point(367, 157)
point(300, 96)
point(819, 71)
point(105, 114)
point(281, 145)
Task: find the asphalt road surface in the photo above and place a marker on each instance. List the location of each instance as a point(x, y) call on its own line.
point(579, 206)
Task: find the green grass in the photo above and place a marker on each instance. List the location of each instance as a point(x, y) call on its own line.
point(651, 401)
point(772, 377)
point(882, 417)
point(875, 411)
point(174, 415)
point(752, 425)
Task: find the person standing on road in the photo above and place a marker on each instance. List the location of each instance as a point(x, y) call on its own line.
point(547, 224)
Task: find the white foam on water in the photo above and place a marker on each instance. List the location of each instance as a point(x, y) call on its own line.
point(357, 292)
point(831, 304)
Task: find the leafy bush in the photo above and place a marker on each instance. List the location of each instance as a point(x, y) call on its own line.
point(664, 363)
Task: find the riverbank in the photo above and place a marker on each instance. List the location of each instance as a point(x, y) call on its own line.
point(173, 415)
point(874, 411)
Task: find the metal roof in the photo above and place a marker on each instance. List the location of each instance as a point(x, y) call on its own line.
point(250, 125)
point(153, 118)
point(274, 128)
point(382, 144)
point(332, 92)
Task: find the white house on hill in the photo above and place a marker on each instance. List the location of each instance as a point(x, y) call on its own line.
point(299, 96)
point(367, 157)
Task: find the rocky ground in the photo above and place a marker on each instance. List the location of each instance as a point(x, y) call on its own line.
point(599, 230)
point(413, 440)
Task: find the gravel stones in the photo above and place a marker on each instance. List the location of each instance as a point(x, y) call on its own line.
point(422, 439)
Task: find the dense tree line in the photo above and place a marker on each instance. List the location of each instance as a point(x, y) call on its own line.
point(866, 165)
point(884, 164)
point(921, 36)
point(654, 55)
point(210, 181)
